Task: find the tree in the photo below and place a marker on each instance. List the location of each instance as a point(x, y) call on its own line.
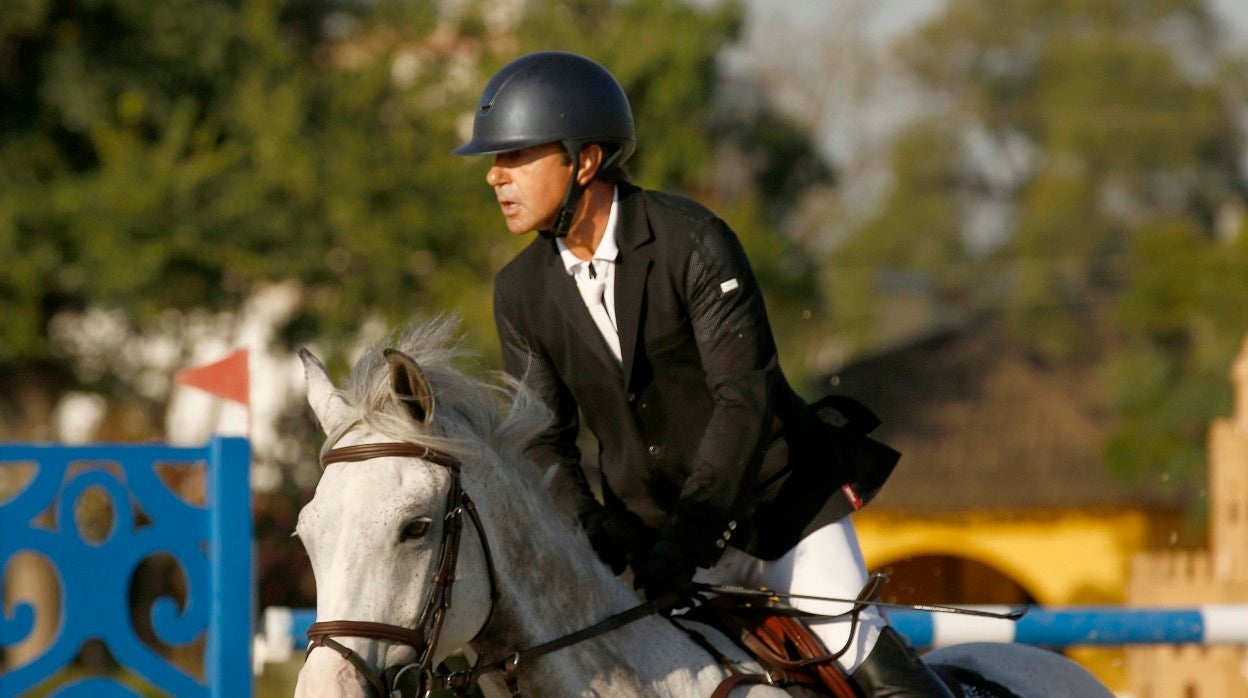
point(163, 164)
point(1077, 181)
point(173, 156)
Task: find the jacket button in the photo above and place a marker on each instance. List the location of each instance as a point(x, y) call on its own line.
point(632, 397)
point(720, 544)
point(654, 450)
point(732, 525)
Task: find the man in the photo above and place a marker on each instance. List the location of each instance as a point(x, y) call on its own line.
point(638, 312)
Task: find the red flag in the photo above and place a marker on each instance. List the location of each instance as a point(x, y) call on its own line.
point(227, 378)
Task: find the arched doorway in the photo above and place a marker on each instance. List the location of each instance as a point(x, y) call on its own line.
point(944, 579)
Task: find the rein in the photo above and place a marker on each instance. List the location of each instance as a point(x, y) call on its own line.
point(509, 663)
point(1013, 613)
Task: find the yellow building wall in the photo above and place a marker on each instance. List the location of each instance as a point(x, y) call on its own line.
point(1063, 558)
point(1060, 559)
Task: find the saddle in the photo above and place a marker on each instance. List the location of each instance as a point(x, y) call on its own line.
point(774, 634)
point(789, 652)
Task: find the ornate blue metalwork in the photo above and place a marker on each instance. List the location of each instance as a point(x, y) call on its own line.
point(211, 544)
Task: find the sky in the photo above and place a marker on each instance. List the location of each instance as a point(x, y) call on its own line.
point(1235, 12)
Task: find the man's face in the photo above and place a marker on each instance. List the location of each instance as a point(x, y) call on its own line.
point(530, 185)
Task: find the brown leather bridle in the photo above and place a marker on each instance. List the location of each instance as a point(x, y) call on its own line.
point(424, 637)
point(419, 677)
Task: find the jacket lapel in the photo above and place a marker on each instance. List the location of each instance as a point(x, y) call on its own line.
point(567, 299)
point(632, 234)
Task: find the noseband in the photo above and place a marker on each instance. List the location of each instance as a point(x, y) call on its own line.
point(424, 637)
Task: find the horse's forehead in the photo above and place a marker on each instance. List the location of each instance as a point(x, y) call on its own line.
point(392, 478)
point(379, 485)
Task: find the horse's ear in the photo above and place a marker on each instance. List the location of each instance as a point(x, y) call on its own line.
point(410, 385)
point(322, 396)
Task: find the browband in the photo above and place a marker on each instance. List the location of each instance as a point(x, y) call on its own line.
point(359, 452)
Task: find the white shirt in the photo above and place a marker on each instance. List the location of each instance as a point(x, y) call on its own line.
point(595, 279)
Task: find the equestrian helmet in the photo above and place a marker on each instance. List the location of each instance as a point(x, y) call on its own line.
point(549, 97)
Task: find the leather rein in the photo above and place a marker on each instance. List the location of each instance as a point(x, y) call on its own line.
point(424, 637)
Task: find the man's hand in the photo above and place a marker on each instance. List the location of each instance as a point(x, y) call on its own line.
point(616, 535)
point(667, 568)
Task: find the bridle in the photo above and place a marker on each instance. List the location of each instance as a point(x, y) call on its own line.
point(424, 637)
point(419, 677)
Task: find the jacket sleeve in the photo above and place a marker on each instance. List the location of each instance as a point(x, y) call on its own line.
point(556, 446)
point(738, 355)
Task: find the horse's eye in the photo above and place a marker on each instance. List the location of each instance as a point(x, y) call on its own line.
point(415, 528)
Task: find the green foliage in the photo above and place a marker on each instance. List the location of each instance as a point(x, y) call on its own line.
point(115, 151)
point(920, 237)
point(1126, 169)
point(1185, 315)
point(176, 155)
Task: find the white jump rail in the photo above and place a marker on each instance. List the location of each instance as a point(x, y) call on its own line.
point(284, 630)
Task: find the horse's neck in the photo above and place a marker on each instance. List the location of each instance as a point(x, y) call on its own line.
point(549, 582)
point(648, 657)
point(551, 585)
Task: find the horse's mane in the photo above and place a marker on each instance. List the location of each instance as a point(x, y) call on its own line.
point(469, 412)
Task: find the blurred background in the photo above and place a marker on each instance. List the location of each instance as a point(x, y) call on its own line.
point(1015, 228)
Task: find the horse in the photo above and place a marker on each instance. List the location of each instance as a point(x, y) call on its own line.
point(430, 534)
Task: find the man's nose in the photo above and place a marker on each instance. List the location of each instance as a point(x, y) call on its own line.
point(495, 176)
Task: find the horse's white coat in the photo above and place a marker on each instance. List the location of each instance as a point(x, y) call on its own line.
point(550, 581)
point(1028, 672)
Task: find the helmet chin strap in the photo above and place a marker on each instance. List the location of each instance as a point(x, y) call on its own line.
point(562, 221)
point(567, 210)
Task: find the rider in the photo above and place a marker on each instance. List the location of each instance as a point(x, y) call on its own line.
point(638, 312)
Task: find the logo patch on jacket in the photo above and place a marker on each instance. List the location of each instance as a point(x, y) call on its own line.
point(729, 286)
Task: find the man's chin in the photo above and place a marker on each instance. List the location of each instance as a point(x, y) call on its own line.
point(521, 228)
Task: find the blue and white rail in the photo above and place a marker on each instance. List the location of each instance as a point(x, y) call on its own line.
point(1081, 625)
point(284, 630)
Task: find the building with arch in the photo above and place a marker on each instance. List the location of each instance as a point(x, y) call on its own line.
point(1001, 495)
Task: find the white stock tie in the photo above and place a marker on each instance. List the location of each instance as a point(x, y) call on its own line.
point(593, 290)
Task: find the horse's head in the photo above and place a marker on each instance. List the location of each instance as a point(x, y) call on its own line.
point(383, 532)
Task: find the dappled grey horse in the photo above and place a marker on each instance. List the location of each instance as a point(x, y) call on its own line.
point(430, 534)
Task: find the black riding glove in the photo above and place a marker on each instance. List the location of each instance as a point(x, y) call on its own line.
point(668, 568)
point(616, 535)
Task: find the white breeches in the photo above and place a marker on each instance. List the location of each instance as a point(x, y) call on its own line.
point(827, 563)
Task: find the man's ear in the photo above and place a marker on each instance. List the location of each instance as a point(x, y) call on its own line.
point(588, 162)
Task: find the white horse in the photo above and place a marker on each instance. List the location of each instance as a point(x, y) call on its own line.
point(424, 477)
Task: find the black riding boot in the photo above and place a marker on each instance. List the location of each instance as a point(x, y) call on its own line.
point(894, 670)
